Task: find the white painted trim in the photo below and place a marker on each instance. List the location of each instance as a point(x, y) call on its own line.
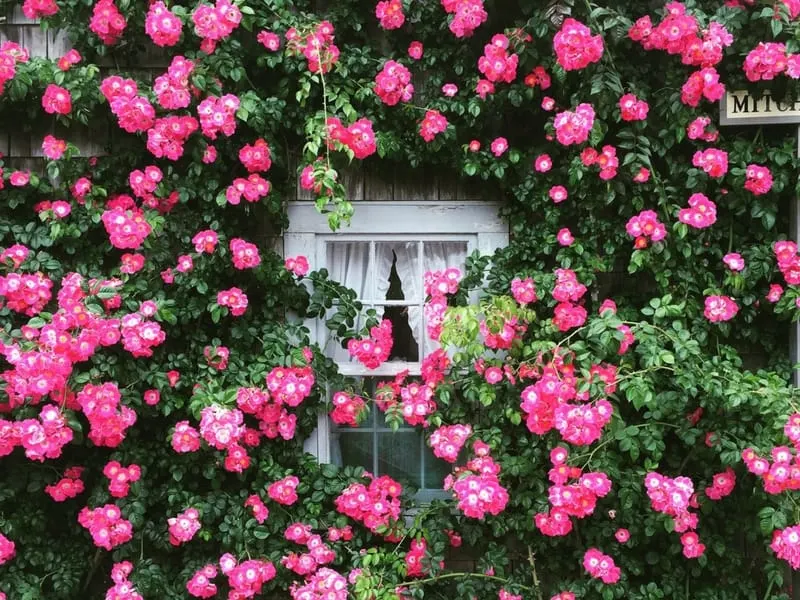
point(404, 218)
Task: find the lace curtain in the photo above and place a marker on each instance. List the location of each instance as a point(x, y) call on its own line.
point(348, 263)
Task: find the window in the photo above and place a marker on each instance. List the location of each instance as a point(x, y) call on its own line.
point(382, 256)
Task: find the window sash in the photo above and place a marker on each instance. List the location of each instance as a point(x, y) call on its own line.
point(321, 259)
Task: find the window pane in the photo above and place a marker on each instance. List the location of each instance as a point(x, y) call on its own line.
point(356, 450)
point(399, 456)
point(436, 470)
point(405, 345)
point(404, 258)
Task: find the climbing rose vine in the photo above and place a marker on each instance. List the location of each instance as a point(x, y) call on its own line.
point(604, 404)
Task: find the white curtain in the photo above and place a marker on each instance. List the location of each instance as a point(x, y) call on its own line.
point(349, 264)
point(436, 256)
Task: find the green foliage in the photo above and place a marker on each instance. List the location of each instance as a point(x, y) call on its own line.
point(680, 363)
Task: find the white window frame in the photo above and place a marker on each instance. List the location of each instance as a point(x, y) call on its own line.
point(308, 231)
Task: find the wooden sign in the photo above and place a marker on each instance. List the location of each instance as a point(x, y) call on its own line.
point(741, 108)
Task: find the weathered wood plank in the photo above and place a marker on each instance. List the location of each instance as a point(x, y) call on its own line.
point(35, 41)
point(22, 163)
point(4, 142)
point(415, 184)
point(152, 58)
point(90, 141)
point(448, 187)
point(58, 44)
point(28, 36)
point(474, 190)
point(377, 186)
point(16, 16)
point(21, 144)
point(353, 182)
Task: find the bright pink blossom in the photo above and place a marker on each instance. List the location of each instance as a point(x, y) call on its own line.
point(575, 46)
point(720, 308)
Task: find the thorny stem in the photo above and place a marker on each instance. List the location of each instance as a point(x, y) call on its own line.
point(324, 105)
point(534, 575)
point(95, 563)
point(769, 589)
point(463, 576)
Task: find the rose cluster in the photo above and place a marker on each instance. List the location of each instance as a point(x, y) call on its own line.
point(432, 125)
point(123, 589)
point(373, 351)
point(679, 33)
point(162, 26)
point(218, 115)
point(108, 23)
point(713, 161)
point(318, 554)
point(7, 549)
point(577, 499)
point(448, 440)
point(768, 60)
point(251, 189)
point(10, 54)
point(645, 226)
point(318, 47)
point(284, 491)
point(575, 46)
point(26, 294)
point(674, 497)
point(477, 486)
point(497, 64)
point(215, 23)
point(69, 486)
point(393, 84)
point(606, 160)
point(234, 299)
point(468, 15)
point(359, 137)
point(702, 84)
point(347, 409)
point(568, 291)
point(108, 419)
point(184, 526)
point(172, 88)
point(574, 127)
point(633, 109)
point(417, 403)
point(324, 584)
point(758, 179)
point(246, 578)
point(720, 308)
point(134, 112)
point(375, 505)
point(120, 478)
point(601, 566)
point(701, 213)
point(106, 526)
point(126, 228)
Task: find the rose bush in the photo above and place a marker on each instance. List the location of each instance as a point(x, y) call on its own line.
point(607, 440)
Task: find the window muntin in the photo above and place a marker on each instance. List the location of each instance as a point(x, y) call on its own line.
point(403, 454)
